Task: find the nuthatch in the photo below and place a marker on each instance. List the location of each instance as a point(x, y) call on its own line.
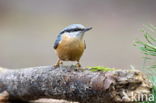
point(69, 44)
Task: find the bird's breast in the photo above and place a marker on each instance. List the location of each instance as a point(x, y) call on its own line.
point(70, 48)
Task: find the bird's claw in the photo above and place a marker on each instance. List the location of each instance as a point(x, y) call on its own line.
point(56, 65)
point(78, 65)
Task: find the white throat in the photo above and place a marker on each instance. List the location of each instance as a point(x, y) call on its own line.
point(78, 35)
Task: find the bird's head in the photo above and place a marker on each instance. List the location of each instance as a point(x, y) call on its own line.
point(75, 30)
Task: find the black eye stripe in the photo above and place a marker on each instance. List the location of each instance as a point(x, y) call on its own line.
point(77, 29)
point(72, 30)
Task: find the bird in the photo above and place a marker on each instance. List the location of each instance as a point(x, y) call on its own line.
point(69, 44)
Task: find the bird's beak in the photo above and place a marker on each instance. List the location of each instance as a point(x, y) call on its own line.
point(87, 29)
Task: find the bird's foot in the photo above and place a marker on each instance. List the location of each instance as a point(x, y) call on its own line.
point(56, 65)
point(78, 65)
point(61, 62)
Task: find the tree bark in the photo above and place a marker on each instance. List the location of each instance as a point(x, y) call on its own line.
point(71, 84)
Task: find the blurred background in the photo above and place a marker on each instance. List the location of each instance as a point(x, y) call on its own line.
point(28, 29)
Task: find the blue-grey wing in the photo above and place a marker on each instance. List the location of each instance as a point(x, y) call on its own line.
point(56, 43)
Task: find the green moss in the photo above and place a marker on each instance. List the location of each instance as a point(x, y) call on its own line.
point(99, 68)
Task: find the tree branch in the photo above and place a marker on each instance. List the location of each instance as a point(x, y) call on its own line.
point(67, 83)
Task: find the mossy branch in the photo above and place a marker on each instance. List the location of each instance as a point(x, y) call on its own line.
point(71, 84)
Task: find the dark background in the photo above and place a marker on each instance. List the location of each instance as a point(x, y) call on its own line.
point(28, 29)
